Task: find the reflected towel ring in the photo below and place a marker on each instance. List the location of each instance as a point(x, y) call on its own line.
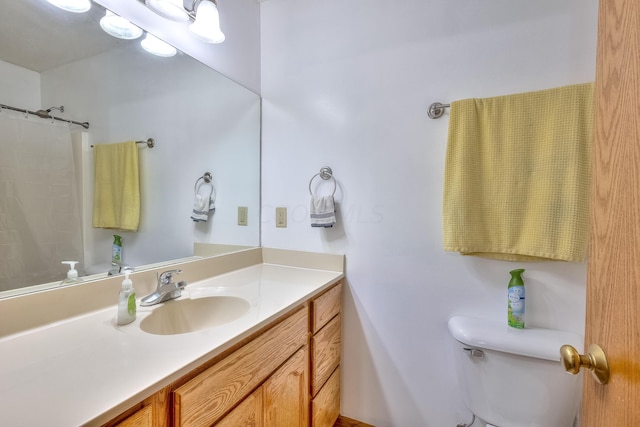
point(207, 180)
point(326, 174)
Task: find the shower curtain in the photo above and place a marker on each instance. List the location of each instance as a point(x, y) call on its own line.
point(40, 218)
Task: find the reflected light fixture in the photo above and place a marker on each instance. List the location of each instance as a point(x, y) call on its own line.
point(119, 27)
point(170, 9)
point(76, 6)
point(206, 26)
point(157, 47)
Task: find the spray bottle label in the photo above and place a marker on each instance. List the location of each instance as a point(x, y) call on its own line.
point(116, 252)
point(516, 307)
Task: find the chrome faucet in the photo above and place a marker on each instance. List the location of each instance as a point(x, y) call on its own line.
point(167, 289)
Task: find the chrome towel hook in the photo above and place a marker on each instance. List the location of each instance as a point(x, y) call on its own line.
point(326, 174)
point(436, 110)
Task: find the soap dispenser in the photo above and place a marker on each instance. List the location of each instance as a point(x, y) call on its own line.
point(126, 301)
point(72, 274)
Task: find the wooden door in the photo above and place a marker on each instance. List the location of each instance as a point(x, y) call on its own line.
point(613, 283)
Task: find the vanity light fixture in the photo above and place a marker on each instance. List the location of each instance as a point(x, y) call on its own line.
point(206, 26)
point(203, 13)
point(76, 6)
point(157, 47)
point(119, 27)
point(170, 9)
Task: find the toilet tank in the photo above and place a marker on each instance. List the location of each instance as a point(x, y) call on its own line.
point(513, 377)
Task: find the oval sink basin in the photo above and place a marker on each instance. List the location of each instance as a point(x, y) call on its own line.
point(190, 315)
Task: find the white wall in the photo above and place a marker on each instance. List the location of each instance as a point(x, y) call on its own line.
point(19, 87)
point(346, 84)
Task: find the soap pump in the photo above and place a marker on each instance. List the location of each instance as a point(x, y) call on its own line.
point(126, 301)
point(72, 274)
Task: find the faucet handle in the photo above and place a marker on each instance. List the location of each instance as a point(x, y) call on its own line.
point(166, 276)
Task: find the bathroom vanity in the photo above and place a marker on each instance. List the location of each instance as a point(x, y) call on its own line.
point(275, 364)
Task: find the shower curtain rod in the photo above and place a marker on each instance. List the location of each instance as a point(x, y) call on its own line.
point(44, 114)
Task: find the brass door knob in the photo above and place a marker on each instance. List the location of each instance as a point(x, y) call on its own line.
point(594, 360)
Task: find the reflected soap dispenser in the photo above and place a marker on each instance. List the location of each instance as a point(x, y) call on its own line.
point(126, 301)
point(72, 274)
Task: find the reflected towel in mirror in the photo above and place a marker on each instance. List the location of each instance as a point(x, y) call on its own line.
point(202, 206)
point(116, 197)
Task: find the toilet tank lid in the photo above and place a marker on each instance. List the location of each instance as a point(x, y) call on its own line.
point(496, 335)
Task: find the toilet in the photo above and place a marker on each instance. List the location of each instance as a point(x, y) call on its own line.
point(513, 377)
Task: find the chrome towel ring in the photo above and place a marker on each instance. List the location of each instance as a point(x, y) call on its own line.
point(326, 174)
point(207, 180)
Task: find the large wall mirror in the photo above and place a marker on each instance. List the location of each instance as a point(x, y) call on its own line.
point(200, 120)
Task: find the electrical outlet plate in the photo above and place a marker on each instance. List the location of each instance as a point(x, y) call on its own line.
point(281, 217)
point(243, 212)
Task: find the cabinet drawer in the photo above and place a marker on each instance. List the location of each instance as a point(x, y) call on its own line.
point(325, 353)
point(205, 398)
point(324, 307)
point(325, 407)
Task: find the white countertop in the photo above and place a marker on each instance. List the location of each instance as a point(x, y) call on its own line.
point(86, 370)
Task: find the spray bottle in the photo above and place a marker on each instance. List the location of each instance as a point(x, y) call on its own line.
point(116, 251)
point(516, 299)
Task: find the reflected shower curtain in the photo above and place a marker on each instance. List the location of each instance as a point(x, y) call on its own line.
point(40, 222)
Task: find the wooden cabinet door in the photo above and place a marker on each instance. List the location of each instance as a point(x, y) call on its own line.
point(204, 399)
point(141, 418)
point(285, 394)
point(247, 414)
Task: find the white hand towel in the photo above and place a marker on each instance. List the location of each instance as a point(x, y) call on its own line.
point(323, 211)
point(200, 209)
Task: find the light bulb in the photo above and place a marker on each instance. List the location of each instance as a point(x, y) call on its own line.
point(170, 9)
point(207, 23)
point(76, 6)
point(157, 47)
point(119, 27)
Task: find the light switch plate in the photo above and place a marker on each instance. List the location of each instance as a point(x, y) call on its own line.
point(243, 212)
point(281, 217)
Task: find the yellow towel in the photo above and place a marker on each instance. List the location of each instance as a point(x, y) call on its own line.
point(116, 198)
point(517, 175)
